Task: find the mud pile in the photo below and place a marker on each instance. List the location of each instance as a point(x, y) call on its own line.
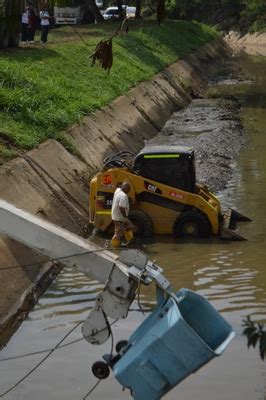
point(213, 129)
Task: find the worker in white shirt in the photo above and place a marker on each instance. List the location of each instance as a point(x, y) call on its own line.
point(120, 211)
point(44, 17)
point(24, 25)
point(117, 190)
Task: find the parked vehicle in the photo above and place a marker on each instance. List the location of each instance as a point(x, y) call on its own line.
point(131, 12)
point(99, 3)
point(112, 13)
point(68, 15)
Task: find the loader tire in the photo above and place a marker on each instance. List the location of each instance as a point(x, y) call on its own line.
point(142, 223)
point(192, 224)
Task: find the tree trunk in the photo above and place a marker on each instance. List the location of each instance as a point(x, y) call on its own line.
point(9, 23)
point(95, 10)
point(121, 10)
point(138, 9)
point(119, 6)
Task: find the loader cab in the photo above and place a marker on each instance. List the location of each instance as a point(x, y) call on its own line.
point(170, 165)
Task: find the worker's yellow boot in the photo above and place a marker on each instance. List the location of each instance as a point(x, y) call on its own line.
point(128, 235)
point(115, 242)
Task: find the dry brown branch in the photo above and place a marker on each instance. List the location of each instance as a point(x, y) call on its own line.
point(104, 50)
point(103, 54)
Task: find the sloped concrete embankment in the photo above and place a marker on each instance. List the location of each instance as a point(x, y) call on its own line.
point(52, 183)
point(253, 44)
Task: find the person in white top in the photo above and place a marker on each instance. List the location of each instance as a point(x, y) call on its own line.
point(24, 25)
point(117, 190)
point(120, 211)
point(44, 17)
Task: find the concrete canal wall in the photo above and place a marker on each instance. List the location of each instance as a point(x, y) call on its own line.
point(254, 44)
point(52, 183)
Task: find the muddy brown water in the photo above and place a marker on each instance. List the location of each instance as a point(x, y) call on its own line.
point(231, 275)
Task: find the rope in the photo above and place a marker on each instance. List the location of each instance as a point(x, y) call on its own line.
point(58, 259)
point(45, 351)
point(91, 390)
point(111, 355)
point(81, 37)
point(39, 363)
point(50, 352)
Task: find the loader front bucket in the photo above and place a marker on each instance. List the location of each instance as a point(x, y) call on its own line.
point(229, 223)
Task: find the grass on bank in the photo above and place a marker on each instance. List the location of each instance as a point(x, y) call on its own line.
point(43, 90)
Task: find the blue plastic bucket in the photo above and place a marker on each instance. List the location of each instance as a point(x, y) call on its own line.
point(176, 339)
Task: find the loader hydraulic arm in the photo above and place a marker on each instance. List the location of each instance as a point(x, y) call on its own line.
point(120, 275)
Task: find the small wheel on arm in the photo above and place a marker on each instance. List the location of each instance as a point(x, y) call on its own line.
point(142, 224)
point(100, 370)
point(192, 224)
point(120, 345)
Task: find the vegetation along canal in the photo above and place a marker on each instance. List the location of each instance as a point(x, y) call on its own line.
point(231, 275)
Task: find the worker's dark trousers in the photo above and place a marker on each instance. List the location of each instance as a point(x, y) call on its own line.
point(45, 30)
point(31, 34)
point(24, 32)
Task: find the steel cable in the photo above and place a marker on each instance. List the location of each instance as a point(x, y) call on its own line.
point(50, 352)
point(111, 355)
point(58, 258)
point(45, 351)
point(91, 390)
point(39, 363)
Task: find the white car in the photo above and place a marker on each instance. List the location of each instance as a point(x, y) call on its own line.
point(112, 13)
point(131, 12)
point(99, 3)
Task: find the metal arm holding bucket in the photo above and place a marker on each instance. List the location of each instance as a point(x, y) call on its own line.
point(183, 333)
point(120, 275)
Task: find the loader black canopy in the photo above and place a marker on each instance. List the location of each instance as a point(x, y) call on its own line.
point(170, 165)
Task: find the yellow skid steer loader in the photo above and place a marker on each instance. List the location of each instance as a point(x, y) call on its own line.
point(164, 196)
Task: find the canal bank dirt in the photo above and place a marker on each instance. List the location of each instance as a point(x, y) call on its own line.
point(52, 183)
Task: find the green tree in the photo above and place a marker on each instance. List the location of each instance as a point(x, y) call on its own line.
point(254, 14)
point(229, 14)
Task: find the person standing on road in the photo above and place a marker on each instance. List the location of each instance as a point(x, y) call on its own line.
point(44, 17)
point(120, 211)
